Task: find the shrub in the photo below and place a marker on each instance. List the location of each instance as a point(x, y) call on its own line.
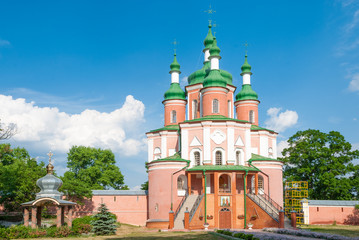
point(104, 222)
point(82, 224)
point(228, 233)
point(239, 235)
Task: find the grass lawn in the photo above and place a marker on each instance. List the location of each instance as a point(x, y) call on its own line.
point(345, 230)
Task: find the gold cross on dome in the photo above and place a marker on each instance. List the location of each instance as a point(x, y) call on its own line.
point(210, 11)
point(175, 43)
point(246, 46)
point(50, 154)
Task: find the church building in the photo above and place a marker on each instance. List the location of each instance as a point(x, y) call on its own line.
point(211, 164)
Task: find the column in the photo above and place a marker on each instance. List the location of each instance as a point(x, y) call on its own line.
point(69, 216)
point(203, 185)
point(216, 208)
point(58, 216)
point(233, 203)
point(256, 184)
point(171, 220)
point(189, 183)
point(38, 216)
point(62, 216)
point(293, 218)
point(33, 216)
point(26, 217)
point(186, 219)
point(281, 219)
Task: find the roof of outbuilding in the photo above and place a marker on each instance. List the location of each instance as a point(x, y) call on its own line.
point(119, 192)
point(332, 203)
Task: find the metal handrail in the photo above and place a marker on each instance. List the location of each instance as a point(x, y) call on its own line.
point(195, 206)
point(266, 206)
point(180, 205)
point(271, 201)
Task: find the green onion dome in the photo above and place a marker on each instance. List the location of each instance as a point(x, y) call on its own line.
point(199, 75)
point(246, 93)
point(214, 79)
point(246, 68)
point(175, 92)
point(214, 50)
point(175, 67)
point(209, 39)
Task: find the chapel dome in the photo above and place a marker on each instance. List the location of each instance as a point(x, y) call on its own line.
point(49, 185)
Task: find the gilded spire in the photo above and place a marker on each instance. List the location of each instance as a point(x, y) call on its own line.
point(50, 167)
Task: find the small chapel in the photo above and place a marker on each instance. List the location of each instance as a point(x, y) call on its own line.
point(211, 165)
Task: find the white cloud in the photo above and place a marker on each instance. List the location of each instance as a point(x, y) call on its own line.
point(281, 121)
point(281, 145)
point(354, 83)
point(4, 43)
point(48, 128)
point(136, 188)
point(349, 27)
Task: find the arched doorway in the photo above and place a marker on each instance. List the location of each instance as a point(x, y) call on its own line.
point(225, 218)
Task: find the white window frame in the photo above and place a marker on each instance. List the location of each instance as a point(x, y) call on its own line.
point(213, 105)
point(214, 155)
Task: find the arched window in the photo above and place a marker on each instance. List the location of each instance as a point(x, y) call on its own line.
point(194, 109)
point(260, 184)
point(238, 158)
point(251, 116)
point(173, 116)
point(180, 183)
point(215, 106)
point(197, 158)
point(218, 158)
point(270, 152)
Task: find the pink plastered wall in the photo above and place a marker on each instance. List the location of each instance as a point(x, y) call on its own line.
point(128, 209)
point(159, 189)
point(275, 181)
point(209, 96)
point(331, 214)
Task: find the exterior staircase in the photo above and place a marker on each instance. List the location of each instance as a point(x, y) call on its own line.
point(267, 204)
point(187, 204)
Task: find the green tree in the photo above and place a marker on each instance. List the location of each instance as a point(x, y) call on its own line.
point(322, 159)
point(104, 222)
point(90, 169)
point(18, 175)
point(144, 186)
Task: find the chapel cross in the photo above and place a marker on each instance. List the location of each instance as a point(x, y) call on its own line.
point(50, 154)
point(246, 46)
point(175, 43)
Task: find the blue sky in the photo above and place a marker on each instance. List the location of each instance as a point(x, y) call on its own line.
point(94, 73)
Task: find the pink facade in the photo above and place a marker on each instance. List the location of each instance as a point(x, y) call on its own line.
point(330, 212)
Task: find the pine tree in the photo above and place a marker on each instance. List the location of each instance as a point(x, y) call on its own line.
point(104, 223)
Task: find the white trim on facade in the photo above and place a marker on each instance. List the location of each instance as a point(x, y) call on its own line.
point(163, 146)
point(184, 144)
point(150, 149)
